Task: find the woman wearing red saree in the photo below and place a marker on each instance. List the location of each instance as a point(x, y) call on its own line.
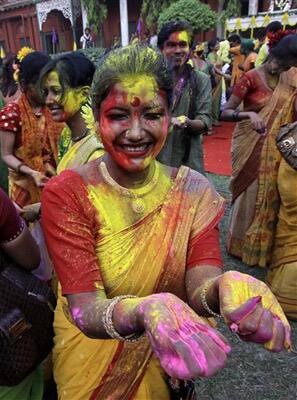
point(29, 136)
point(133, 241)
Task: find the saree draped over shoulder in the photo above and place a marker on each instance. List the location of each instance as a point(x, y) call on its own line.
point(144, 257)
point(38, 144)
point(255, 163)
point(87, 149)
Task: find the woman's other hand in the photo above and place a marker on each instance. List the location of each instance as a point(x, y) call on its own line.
point(251, 310)
point(31, 212)
point(40, 180)
point(185, 344)
point(257, 123)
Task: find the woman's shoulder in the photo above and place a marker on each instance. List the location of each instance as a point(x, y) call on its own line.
point(10, 117)
point(68, 181)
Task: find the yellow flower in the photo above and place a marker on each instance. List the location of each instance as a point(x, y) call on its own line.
point(24, 52)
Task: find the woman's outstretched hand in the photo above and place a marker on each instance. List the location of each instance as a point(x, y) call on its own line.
point(251, 310)
point(185, 344)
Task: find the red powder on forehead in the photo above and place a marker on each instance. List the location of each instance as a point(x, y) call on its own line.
point(135, 102)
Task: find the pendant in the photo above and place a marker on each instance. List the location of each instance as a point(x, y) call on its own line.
point(138, 206)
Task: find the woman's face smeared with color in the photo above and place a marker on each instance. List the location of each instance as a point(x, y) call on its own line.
point(134, 121)
point(62, 105)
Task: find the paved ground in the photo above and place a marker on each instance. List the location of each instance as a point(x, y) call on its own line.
point(252, 373)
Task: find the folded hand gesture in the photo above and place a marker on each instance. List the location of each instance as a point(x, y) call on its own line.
point(250, 309)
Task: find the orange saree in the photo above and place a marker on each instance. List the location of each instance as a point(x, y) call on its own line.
point(36, 145)
point(145, 256)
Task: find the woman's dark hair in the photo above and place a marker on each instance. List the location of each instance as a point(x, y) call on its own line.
point(31, 66)
point(285, 52)
point(130, 61)
point(234, 38)
point(273, 27)
point(212, 44)
point(247, 46)
point(74, 70)
point(171, 27)
point(9, 85)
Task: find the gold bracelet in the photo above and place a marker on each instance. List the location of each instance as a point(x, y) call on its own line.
point(108, 322)
point(207, 284)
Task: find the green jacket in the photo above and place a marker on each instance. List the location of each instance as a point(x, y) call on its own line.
point(182, 147)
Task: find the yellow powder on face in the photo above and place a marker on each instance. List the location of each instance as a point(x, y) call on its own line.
point(53, 80)
point(183, 36)
point(142, 86)
point(72, 101)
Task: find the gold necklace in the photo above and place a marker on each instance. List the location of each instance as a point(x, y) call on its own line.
point(137, 203)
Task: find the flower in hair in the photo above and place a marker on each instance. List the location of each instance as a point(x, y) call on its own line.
point(24, 52)
point(275, 37)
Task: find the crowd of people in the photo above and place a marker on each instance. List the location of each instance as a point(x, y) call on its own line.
point(107, 160)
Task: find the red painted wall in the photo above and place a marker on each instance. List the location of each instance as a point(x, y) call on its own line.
point(111, 27)
point(19, 27)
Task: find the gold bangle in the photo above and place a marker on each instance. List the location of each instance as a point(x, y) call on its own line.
point(108, 322)
point(205, 287)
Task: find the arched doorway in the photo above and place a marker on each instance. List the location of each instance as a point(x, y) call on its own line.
point(57, 33)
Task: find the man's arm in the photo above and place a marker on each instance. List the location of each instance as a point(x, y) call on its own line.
point(202, 121)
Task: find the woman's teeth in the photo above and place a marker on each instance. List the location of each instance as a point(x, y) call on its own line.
point(135, 148)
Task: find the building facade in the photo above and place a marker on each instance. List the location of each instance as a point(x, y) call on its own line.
point(56, 25)
point(259, 13)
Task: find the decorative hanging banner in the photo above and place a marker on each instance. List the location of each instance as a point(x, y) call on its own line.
point(260, 21)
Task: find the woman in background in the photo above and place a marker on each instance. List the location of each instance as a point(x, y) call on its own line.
point(65, 84)
point(268, 96)
point(29, 136)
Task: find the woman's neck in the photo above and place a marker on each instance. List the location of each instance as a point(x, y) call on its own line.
point(130, 180)
point(77, 126)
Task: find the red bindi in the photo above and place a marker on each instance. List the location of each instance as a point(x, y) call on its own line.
point(135, 101)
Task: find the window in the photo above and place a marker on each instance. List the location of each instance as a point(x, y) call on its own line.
point(25, 42)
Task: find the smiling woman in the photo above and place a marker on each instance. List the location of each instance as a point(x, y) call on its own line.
point(132, 242)
point(65, 84)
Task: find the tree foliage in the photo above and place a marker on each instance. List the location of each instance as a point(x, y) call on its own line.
point(96, 11)
point(233, 9)
point(198, 14)
point(151, 9)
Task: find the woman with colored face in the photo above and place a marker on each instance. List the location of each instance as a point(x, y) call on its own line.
point(135, 246)
point(267, 94)
point(65, 84)
point(29, 136)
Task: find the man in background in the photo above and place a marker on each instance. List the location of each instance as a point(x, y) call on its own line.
point(86, 39)
point(191, 103)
